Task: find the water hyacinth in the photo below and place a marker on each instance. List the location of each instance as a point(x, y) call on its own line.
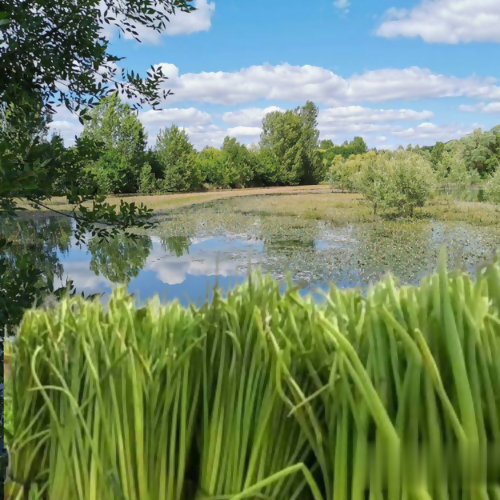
point(261, 394)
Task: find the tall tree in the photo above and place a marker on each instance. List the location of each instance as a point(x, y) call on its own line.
point(236, 162)
point(314, 170)
point(282, 136)
point(179, 160)
point(116, 126)
point(56, 53)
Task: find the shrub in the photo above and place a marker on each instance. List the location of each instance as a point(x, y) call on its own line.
point(492, 188)
point(262, 394)
point(402, 180)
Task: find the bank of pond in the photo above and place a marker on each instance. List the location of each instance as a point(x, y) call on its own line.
point(388, 393)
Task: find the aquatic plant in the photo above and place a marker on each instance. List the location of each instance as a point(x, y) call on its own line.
point(263, 394)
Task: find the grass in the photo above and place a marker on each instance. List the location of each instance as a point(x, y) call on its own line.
point(161, 202)
point(306, 202)
point(263, 394)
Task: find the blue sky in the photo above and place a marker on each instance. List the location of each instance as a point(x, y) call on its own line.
point(392, 71)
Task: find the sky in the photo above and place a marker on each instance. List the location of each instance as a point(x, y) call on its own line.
point(391, 71)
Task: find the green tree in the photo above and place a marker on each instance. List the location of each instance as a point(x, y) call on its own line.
point(55, 53)
point(147, 183)
point(492, 188)
point(326, 144)
point(179, 160)
point(115, 125)
point(281, 137)
point(481, 151)
point(236, 163)
point(210, 168)
point(402, 180)
point(314, 168)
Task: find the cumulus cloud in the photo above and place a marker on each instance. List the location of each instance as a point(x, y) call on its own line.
point(167, 117)
point(491, 108)
point(285, 82)
point(181, 23)
point(359, 114)
point(66, 129)
point(445, 21)
point(428, 133)
point(214, 135)
point(251, 117)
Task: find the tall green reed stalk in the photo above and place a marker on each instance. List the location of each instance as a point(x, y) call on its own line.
point(261, 394)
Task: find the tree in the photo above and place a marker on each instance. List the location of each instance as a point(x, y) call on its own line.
point(179, 160)
point(402, 180)
point(326, 144)
point(492, 188)
point(236, 163)
point(55, 53)
point(314, 171)
point(281, 136)
point(115, 125)
point(358, 146)
point(481, 151)
point(210, 168)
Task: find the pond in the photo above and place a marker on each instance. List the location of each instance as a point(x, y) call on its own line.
point(194, 248)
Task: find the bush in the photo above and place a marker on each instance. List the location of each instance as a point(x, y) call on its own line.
point(492, 188)
point(402, 180)
point(261, 394)
point(179, 160)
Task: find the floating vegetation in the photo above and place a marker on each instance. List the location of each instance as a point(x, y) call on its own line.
point(263, 394)
point(320, 252)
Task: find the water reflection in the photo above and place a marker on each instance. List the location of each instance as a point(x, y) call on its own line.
point(178, 245)
point(38, 243)
point(186, 258)
point(119, 259)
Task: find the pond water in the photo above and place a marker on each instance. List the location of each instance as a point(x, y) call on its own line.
point(195, 248)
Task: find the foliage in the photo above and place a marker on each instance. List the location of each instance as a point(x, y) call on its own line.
point(236, 164)
point(356, 147)
point(343, 171)
point(314, 171)
point(178, 159)
point(289, 140)
point(119, 259)
point(402, 180)
point(55, 53)
point(115, 125)
point(492, 188)
point(147, 183)
point(482, 151)
point(281, 136)
point(264, 394)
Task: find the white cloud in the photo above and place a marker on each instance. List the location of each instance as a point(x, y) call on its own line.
point(428, 133)
point(213, 135)
point(445, 21)
point(491, 108)
point(285, 82)
point(251, 117)
point(181, 23)
point(167, 117)
point(359, 114)
point(66, 129)
point(342, 5)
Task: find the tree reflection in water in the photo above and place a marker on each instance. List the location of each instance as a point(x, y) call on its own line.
point(120, 258)
point(178, 245)
point(29, 262)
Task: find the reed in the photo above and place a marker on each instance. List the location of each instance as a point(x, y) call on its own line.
point(262, 394)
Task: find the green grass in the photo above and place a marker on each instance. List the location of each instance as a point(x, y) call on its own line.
point(263, 394)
